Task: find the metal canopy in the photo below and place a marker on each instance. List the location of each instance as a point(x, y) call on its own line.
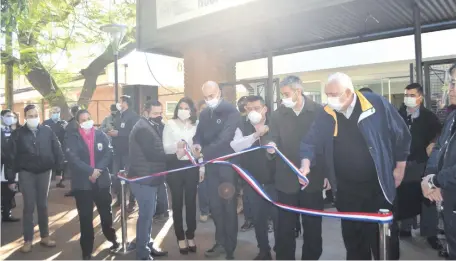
point(281, 27)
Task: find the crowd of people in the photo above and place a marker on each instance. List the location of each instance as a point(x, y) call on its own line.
point(358, 148)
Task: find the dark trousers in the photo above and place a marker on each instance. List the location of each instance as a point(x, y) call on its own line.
point(262, 211)
point(8, 202)
point(183, 185)
point(120, 163)
point(222, 203)
point(312, 239)
point(84, 204)
point(361, 239)
point(449, 216)
point(247, 202)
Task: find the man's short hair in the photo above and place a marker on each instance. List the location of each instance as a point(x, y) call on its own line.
point(127, 99)
point(365, 89)
point(415, 86)
point(254, 98)
point(241, 103)
point(292, 81)
point(79, 113)
point(30, 107)
point(74, 110)
point(5, 112)
point(151, 103)
point(113, 107)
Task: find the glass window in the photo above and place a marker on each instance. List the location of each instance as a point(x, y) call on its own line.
point(170, 106)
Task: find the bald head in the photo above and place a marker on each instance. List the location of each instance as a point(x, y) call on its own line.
point(211, 90)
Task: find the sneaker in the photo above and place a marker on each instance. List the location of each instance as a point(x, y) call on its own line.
point(10, 219)
point(434, 242)
point(47, 242)
point(405, 234)
point(216, 251)
point(248, 225)
point(27, 247)
point(203, 218)
point(115, 246)
point(263, 256)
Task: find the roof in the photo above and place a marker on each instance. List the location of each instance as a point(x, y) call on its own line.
point(251, 30)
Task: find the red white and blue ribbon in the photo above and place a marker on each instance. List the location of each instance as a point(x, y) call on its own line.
point(354, 216)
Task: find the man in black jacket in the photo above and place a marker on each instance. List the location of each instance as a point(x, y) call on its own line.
point(214, 133)
point(440, 183)
point(147, 156)
point(8, 177)
point(58, 127)
point(36, 152)
point(289, 125)
point(123, 124)
point(424, 127)
point(253, 133)
point(71, 126)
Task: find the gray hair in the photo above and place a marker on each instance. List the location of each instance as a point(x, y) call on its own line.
point(294, 82)
point(342, 79)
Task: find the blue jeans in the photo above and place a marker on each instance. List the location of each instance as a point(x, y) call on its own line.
point(146, 198)
point(203, 200)
point(162, 200)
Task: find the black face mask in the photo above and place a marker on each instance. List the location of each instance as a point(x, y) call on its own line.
point(157, 120)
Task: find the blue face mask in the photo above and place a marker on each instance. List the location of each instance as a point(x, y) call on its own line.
point(55, 116)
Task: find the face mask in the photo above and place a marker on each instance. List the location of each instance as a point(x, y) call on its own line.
point(118, 106)
point(55, 116)
point(334, 103)
point(213, 103)
point(255, 117)
point(288, 102)
point(157, 120)
point(183, 114)
point(9, 120)
point(410, 102)
point(87, 125)
point(33, 123)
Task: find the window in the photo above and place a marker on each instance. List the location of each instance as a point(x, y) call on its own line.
point(170, 106)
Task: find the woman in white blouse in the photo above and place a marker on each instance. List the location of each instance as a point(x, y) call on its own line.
point(183, 184)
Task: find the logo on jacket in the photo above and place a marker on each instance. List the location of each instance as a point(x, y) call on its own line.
point(100, 146)
point(122, 125)
point(219, 121)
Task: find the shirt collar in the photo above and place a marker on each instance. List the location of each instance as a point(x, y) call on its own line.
point(348, 112)
point(415, 114)
point(302, 107)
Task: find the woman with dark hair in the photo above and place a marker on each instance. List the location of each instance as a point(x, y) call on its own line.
point(180, 130)
point(89, 153)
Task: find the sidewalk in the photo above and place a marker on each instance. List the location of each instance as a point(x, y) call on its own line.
point(64, 228)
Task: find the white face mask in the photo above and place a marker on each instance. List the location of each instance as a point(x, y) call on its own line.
point(87, 125)
point(254, 117)
point(410, 102)
point(288, 102)
point(33, 123)
point(334, 103)
point(213, 103)
point(183, 114)
point(118, 106)
point(8, 120)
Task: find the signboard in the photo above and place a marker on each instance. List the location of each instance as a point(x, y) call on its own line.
point(171, 12)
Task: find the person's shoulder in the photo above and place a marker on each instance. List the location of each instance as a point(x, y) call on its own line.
point(47, 122)
point(227, 107)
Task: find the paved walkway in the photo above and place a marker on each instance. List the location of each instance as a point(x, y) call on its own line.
point(64, 227)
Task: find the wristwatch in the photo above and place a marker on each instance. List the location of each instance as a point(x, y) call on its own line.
point(431, 184)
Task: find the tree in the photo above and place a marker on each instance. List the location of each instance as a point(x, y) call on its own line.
point(49, 29)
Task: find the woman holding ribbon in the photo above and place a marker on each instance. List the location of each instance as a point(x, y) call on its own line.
point(89, 155)
point(177, 135)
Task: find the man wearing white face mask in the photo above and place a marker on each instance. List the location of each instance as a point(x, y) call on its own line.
point(35, 152)
point(254, 133)
point(214, 133)
point(365, 144)
point(424, 127)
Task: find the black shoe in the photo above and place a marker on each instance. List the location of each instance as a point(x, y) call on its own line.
point(158, 252)
point(434, 242)
point(10, 219)
point(248, 225)
point(405, 234)
point(192, 248)
point(443, 253)
point(263, 256)
point(216, 251)
point(60, 185)
point(69, 194)
point(115, 246)
point(86, 257)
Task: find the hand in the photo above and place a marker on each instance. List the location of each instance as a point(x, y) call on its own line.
point(425, 186)
point(64, 124)
point(196, 149)
point(113, 133)
point(12, 187)
point(261, 130)
point(398, 174)
point(435, 195)
point(202, 171)
point(95, 175)
point(271, 150)
point(429, 149)
point(180, 153)
point(326, 185)
point(181, 144)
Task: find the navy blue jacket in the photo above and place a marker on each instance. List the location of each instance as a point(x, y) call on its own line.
point(216, 130)
point(442, 161)
point(382, 127)
point(78, 157)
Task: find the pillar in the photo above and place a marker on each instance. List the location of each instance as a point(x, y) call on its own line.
point(201, 65)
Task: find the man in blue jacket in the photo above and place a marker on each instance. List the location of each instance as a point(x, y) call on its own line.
point(215, 131)
point(365, 144)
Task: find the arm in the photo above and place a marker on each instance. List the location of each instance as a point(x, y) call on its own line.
point(197, 138)
point(241, 142)
point(399, 133)
point(225, 136)
point(169, 143)
point(104, 125)
point(434, 132)
point(107, 155)
point(446, 177)
point(57, 150)
point(129, 123)
point(149, 151)
point(73, 157)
